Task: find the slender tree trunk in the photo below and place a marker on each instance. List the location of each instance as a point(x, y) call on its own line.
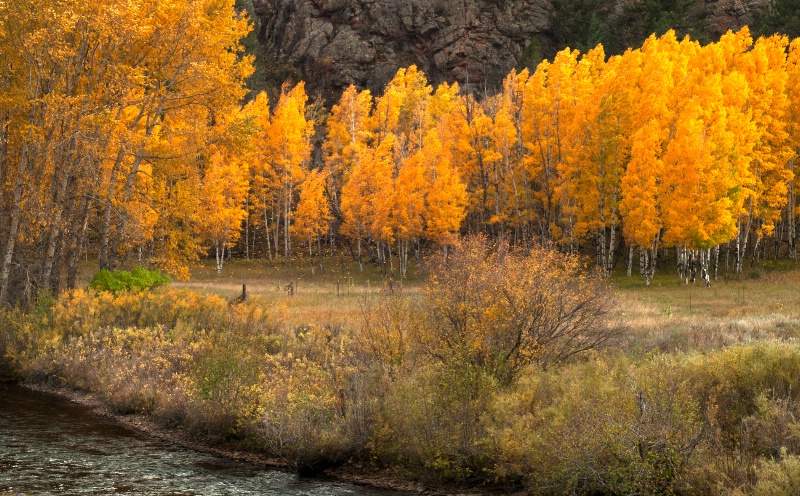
point(220, 254)
point(728, 257)
point(601, 246)
point(55, 225)
point(360, 263)
point(266, 231)
point(13, 227)
point(630, 261)
point(790, 219)
point(643, 262)
point(105, 226)
point(75, 255)
point(319, 253)
point(247, 226)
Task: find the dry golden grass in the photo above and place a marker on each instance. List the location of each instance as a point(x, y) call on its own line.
point(668, 315)
point(334, 298)
point(672, 316)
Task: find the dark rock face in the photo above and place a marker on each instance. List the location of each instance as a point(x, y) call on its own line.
point(331, 44)
point(335, 43)
point(727, 15)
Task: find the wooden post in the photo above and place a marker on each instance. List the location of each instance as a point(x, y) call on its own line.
point(244, 292)
point(337, 287)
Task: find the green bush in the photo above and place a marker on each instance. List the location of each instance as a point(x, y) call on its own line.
point(122, 280)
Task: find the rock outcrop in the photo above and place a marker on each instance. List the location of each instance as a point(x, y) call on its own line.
point(724, 15)
point(334, 43)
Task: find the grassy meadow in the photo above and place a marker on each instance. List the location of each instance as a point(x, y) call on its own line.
point(669, 315)
point(699, 393)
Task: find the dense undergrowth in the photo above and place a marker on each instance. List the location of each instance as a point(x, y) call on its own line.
point(722, 421)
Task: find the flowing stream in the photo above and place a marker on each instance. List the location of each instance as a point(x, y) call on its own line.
point(49, 445)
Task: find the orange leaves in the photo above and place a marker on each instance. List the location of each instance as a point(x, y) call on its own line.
point(312, 215)
point(399, 182)
point(673, 144)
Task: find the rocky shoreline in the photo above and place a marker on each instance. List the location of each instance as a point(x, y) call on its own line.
point(351, 473)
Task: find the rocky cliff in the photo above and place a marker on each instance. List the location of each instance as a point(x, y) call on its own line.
point(333, 43)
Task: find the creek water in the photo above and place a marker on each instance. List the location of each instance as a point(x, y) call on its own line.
point(49, 445)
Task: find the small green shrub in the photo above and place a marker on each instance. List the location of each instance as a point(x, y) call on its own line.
point(122, 280)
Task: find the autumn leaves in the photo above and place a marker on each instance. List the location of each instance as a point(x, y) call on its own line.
point(387, 172)
point(113, 115)
point(124, 136)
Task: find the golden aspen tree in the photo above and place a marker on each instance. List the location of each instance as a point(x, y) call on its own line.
point(408, 204)
point(708, 156)
point(446, 193)
point(398, 122)
point(222, 200)
point(263, 184)
point(509, 166)
point(313, 216)
point(381, 196)
point(604, 153)
point(254, 121)
point(793, 130)
point(589, 171)
point(188, 64)
point(347, 136)
point(430, 198)
point(102, 102)
point(763, 65)
point(662, 68)
point(446, 197)
point(363, 195)
point(288, 151)
point(402, 108)
point(475, 152)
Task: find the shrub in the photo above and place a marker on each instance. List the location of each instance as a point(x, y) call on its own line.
point(507, 308)
point(122, 280)
point(780, 477)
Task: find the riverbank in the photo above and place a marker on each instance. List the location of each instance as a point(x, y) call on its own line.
point(354, 473)
point(679, 404)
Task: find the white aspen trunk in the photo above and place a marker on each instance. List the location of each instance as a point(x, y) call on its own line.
point(319, 253)
point(742, 248)
point(360, 264)
point(391, 259)
point(716, 261)
point(688, 260)
point(642, 262)
point(705, 268)
point(220, 254)
point(10, 246)
point(289, 217)
point(755, 250)
point(266, 231)
point(611, 245)
point(728, 257)
point(738, 248)
point(247, 226)
point(601, 247)
point(651, 267)
point(790, 208)
point(286, 232)
point(310, 255)
point(630, 261)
